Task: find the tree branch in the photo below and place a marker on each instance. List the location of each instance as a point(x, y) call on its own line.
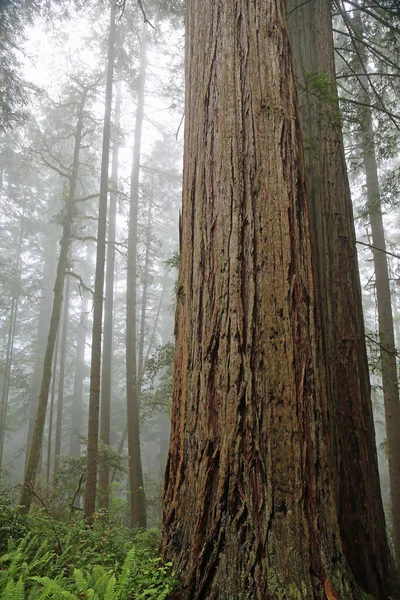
point(379, 249)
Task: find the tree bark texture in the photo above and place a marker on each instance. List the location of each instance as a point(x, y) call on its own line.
point(25, 498)
point(106, 373)
point(137, 497)
point(338, 294)
point(250, 487)
point(95, 370)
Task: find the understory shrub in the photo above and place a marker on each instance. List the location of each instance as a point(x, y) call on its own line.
point(56, 560)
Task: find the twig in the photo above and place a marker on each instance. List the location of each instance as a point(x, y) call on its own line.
point(376, 248)
point(77, 491)
point(36, 495)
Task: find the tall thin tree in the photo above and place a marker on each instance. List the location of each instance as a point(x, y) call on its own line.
point(106, 373)
point(61, 376)
point(95, 370)
point(25, 498)
point(137, 497)
point(10, 344)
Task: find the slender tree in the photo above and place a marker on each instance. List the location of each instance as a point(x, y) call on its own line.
point(61, 376)
point(137, 498)
point(51, 411)
point(250, 489)
point(25, 498)
point(10, 346)
point(106, 373)
point(95, 370)
point(48, 276)
point(79, 375)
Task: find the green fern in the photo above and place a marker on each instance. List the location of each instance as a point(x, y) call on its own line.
point(109, 592)
point(125, 576)
point(52, 590)
point(101, 579)
point(14, 590)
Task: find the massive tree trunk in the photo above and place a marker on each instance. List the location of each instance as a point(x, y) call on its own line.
point(137, 498)
point(106, 373)
point(95, 370)
point(25, 498)
point(338, 294)
point(250, 489)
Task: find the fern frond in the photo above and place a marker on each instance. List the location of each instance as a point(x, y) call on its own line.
point(14, 590)
point(52, 590)
point(81, 583)
point(124, 578)
point(101, 578)
point(109, 592)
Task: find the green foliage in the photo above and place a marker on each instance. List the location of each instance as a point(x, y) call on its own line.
point(12, 525)
point(324, 90)
point(158, 380)
point(173, 262)
point(70, 561)
point(14, 590)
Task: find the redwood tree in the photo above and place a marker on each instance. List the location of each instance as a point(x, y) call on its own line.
point(251, 481)
point(338, 296)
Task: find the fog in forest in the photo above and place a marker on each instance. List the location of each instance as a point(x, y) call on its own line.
point(91, 150)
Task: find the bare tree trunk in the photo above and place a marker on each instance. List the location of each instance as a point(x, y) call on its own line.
point(339, 304)
point(49, 269)
point(144, 292)
point(10, 348)
point(95, 372)
point(137, 497)
point(106, 374)
point(250, 489)
point(390, 382)
point(61, 377)
point(79, 376)
point(51, 411)
point(25, 498)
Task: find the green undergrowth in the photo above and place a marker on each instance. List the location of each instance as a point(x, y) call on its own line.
point(43, 558)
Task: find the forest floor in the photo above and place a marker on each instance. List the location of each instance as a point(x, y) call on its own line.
point(43, 556)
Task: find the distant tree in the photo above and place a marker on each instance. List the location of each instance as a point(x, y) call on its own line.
point(61, 378)
point(95, 369)
point(137, 498)
point(67, 223)
point(106, 373)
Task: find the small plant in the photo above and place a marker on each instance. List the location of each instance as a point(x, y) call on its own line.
point(12, 525)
